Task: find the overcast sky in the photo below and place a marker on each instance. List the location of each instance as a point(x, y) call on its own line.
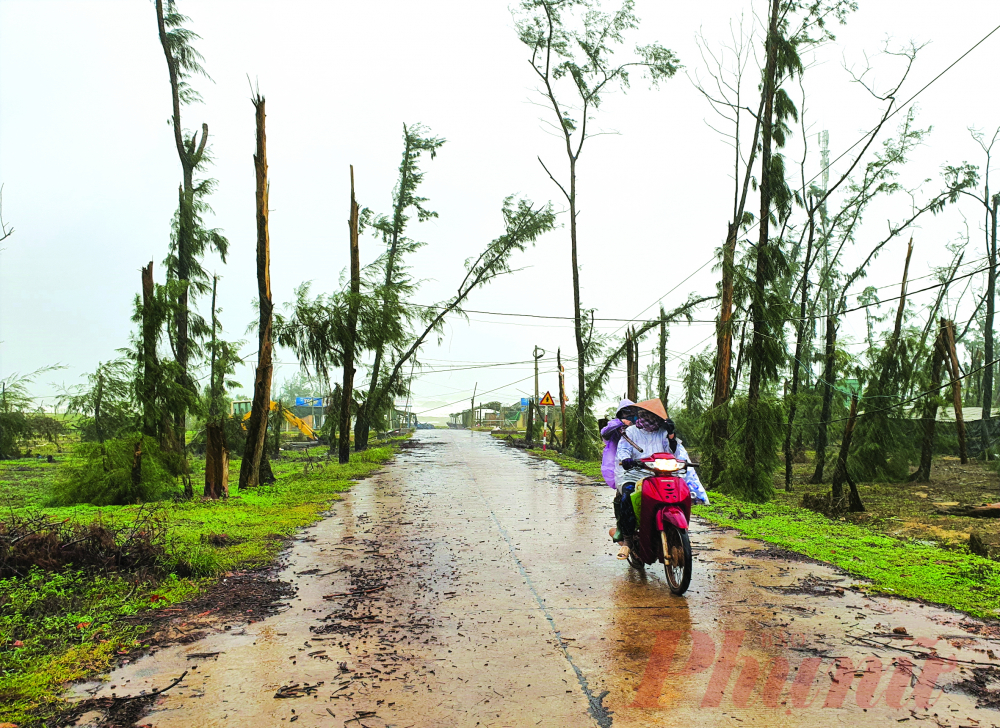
point(90, 171)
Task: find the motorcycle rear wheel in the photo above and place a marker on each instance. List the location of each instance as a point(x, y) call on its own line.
point(634, 561)
point(677, 561)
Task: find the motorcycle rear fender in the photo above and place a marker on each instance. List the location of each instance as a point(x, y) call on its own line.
point(672, 515)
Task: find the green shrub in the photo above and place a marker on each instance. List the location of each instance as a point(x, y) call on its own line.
point(690, 428)
point(103, 474)
point(758, 434)
point(14, 427)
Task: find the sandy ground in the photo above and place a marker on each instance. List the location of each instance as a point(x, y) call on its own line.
point(473, 585)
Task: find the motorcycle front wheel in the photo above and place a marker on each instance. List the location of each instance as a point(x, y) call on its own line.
point(677, 561)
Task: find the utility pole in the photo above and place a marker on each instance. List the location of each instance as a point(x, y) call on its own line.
point(537, 354)
point(472, 407)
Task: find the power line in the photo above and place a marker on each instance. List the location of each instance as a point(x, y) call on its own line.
point(488, 391)
point(712, 321)
point(846, 151)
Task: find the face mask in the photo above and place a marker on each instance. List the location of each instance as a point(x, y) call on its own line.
point(647, 422)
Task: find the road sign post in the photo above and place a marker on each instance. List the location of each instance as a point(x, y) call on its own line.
point(546, 403)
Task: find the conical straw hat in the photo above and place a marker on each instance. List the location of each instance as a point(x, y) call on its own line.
point(655, 406)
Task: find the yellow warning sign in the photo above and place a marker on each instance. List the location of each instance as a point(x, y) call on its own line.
point(547, 401)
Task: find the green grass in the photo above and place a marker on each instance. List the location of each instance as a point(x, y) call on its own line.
point(587, 467)
point(897, 566)
point(894, 566)
point(69, 624)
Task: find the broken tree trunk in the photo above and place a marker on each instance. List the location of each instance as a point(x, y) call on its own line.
point(956, 387)
point(148, 394)
point(799, 338)
point(923, 474)
point(216, 462)
point(840, 474)
point(991, 510)
point(829, 372)
point(631, 365)
point(562, 394)
point(344, 449)
point(250, 468)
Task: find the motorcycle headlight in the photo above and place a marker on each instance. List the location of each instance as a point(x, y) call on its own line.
point(667, 466)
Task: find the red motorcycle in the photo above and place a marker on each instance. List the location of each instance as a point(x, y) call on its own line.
point(663, 517)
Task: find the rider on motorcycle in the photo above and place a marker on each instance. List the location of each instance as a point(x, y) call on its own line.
point(653, 432)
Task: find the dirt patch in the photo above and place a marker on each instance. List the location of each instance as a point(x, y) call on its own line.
point(220, 539)
point(776, 553)
point(990, 630)
point(241, 596)
point(237, 598)
point(908, 510)
point(411, 444)
point(811, 586)
point(984, 685)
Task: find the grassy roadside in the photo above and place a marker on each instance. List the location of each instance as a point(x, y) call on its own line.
point(56, 628)
point(902, 567)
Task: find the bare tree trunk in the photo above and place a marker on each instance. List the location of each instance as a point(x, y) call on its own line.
point(923, 474)
point(724, 353)
point(251, 467)
point(216, 462)
point(632, 365)
point(661, 389)
point(148, 394)
point(344, 452)
point(562, 395)
point(190, 155)
point(956, 387)
point(738, 369)
point(891, 364)
point(137, 464)
point(216, 452)
point(763, 271)
point(991, 286)
point(829, 372)
point(797, 359)
point(581, 347)
point(840, 473)
point(98, 400)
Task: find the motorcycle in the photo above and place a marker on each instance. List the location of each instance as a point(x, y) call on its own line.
point(663, 516)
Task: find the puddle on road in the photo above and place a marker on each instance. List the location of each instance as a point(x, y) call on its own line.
point(467, 585)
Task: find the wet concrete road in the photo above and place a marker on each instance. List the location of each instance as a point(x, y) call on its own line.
point(472, 585)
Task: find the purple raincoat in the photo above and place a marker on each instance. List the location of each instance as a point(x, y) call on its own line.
point(612, 433)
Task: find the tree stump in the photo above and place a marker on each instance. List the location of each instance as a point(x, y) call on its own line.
point(985, 544)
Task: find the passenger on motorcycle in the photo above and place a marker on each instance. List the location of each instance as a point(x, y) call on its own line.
point(653, 432)
point(611, 432)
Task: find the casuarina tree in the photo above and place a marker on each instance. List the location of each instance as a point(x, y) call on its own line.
point(190, 237)
point(574, 48)
point(405, 203)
